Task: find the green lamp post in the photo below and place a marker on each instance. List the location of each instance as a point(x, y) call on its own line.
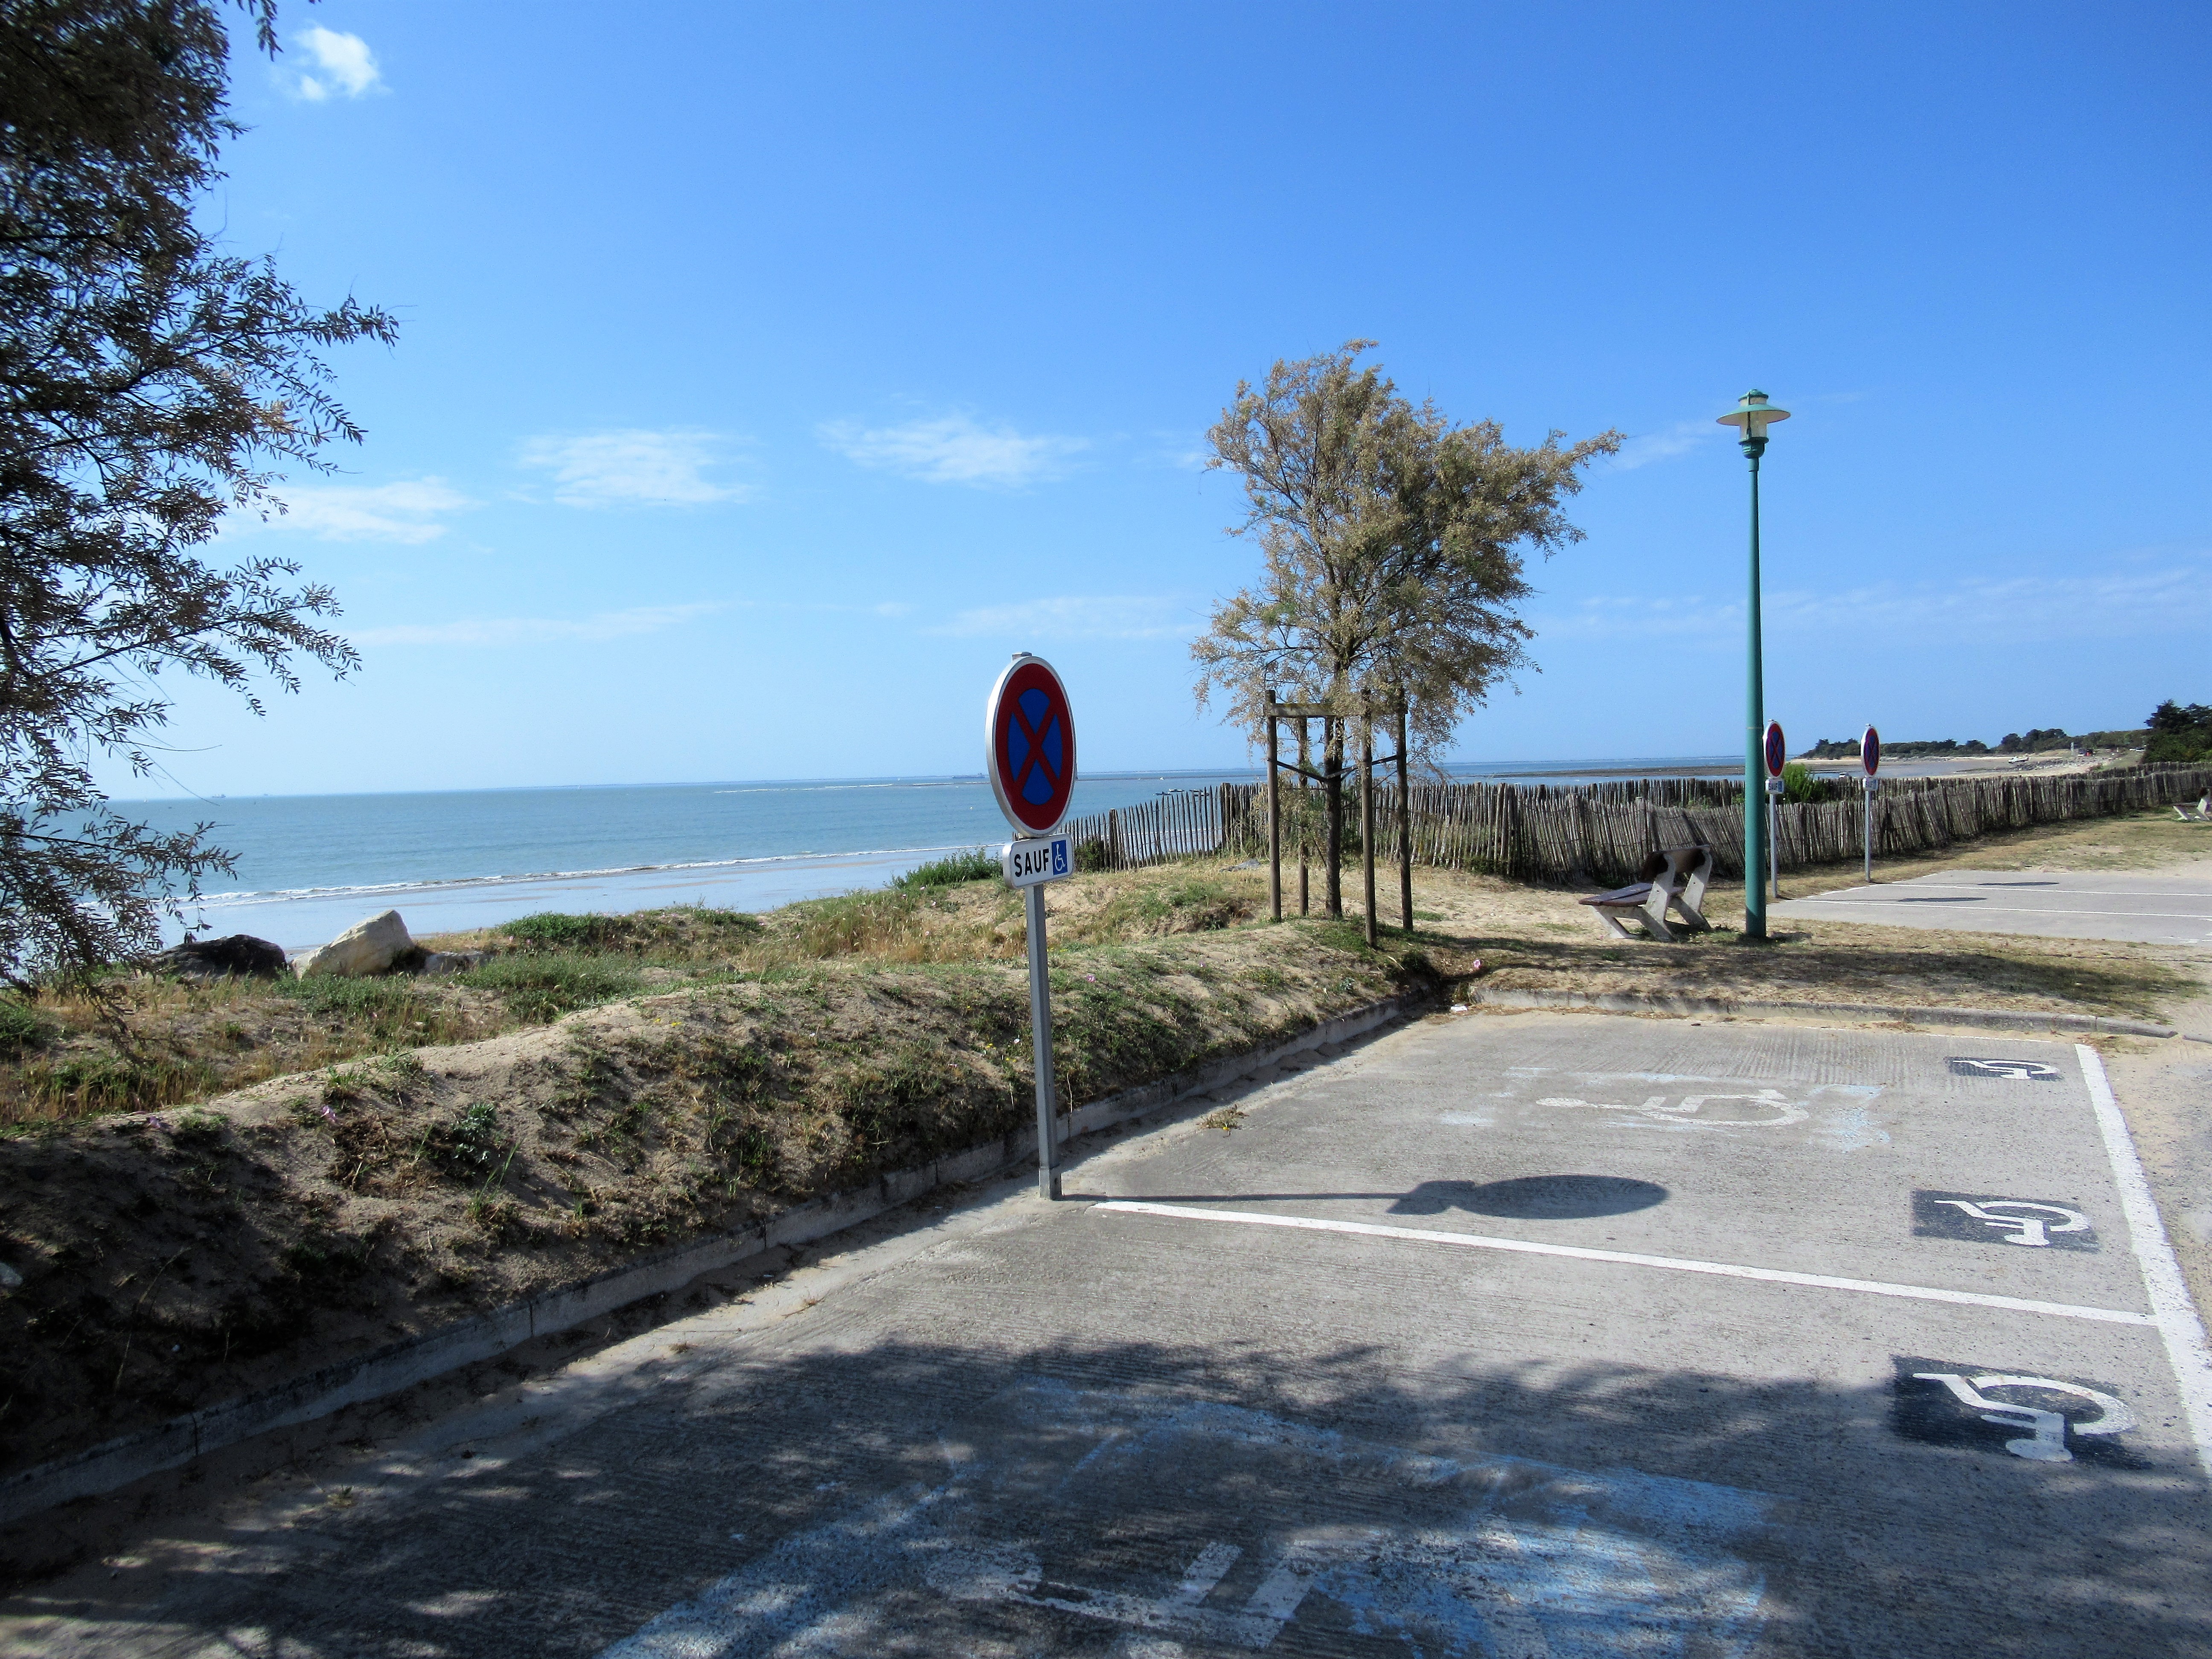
point(1753, 414)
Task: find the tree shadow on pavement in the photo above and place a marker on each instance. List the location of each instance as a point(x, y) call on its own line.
point(811, 1491)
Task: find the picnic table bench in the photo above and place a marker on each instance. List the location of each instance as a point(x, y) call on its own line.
point(1672, 878)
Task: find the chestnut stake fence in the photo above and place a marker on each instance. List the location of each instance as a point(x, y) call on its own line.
point(1601, 832)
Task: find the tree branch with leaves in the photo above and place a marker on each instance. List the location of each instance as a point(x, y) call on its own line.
point(151, 386)
point(1392, 547)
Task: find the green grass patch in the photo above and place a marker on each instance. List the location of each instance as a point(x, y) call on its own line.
point(93, 1086)
point(545, 988)
point(977, 864)
point(681, 932)
point(1186, 904)
point(469, 1146)
point(21, 1029)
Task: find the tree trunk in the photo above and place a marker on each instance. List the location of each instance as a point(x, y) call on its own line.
point(1333, 740)
point(1305, 813)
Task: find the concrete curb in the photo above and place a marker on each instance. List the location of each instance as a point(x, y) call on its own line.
point(1623, 1002)
point(401, 1365)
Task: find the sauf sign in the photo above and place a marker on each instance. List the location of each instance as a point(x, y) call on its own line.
point(1028, 755)
point(1032, 863)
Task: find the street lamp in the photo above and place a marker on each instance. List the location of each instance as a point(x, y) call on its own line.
point(1753, 414)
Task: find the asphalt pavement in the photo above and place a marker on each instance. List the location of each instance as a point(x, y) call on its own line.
point(2166, 907)
point(1503, 1335)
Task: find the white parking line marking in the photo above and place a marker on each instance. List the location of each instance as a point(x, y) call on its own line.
point(2174, 1314)
point(2055, 890)
point(2005, 909)
point(1625, 1258)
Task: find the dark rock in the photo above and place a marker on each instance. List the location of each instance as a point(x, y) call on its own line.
point(242, 954)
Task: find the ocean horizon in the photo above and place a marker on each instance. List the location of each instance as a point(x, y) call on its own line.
point(449, 860)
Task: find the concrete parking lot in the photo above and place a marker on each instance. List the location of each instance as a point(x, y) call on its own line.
point(1528, 1335)
point(2172, 905)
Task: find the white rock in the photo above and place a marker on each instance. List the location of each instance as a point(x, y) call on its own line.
point(367, 947)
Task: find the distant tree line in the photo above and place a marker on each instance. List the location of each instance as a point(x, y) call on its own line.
point(2174, 732)
point(2180, 731)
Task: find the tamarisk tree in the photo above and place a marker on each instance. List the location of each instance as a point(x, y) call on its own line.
point(150, 384)
point(1392, 546)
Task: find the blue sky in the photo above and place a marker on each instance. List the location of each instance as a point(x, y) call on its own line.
point(769, 374)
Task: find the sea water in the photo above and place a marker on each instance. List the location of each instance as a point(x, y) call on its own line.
point(310, 866)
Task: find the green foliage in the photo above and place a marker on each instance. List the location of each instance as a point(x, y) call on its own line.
point(1090, 855)
point(544, 988)
point(1186, 904)
point(151, 384)
point(2036, 740)
point(196, 1127)
point(20, 1028)
point(380, 996)
point(1847, 749)
point(2180, 731)
point(978, 864)
point(469, 1146)
point(92, 1086)
point(1391, 544)
point(682, 931)
point(1799, 787)
point(559, 931)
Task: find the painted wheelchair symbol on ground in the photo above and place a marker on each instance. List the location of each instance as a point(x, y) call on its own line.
point(1994, 1218)
point(1758, 1108)
point(2018, 1071)
point(1363, 1548)
point(2045, 1419)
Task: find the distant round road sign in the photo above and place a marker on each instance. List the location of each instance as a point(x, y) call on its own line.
point(1870, 751)
point(1029, 746)
point(1776, 752)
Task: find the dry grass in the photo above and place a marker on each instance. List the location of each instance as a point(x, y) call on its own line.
point(407, 1149)
point(173, 1259)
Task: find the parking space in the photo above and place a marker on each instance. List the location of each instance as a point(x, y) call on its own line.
point(2166, 907)
point(1528, 1335)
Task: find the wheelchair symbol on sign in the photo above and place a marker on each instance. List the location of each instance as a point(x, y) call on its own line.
point(2032, 1230)
point(2045, 1440)
point(2018, 1071)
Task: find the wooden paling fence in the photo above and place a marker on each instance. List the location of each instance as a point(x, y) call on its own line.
point(1180, 825)
point(1601, 832)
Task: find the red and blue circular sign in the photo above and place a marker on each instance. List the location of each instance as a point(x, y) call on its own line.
point(1777, 753)
point(1029, 737)
point(1870, 751)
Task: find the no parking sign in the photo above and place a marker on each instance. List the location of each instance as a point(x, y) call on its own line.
point(1029, 746)
point(1028, 754)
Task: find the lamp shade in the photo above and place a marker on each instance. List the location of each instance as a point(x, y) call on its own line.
point(1753, 414)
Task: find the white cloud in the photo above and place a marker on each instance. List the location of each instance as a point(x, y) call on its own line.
point(538, 630)
point(2138, 599)
point(408, 513)
point(955, 449)
point(1078, 617)
point(631, 468)
point(1182, 451)
point(1667, 444)
point(343, 65)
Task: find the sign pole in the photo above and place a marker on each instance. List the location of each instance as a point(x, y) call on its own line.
point(1275, 814)
point(1305, 813)
point(1405, 829)
point(1028, 755)
point(1870, 758)
point(1041, 1040)
point(1367, 811)
point(1777, 756)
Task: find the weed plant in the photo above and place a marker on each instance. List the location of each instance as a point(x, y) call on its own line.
point(977, 864)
